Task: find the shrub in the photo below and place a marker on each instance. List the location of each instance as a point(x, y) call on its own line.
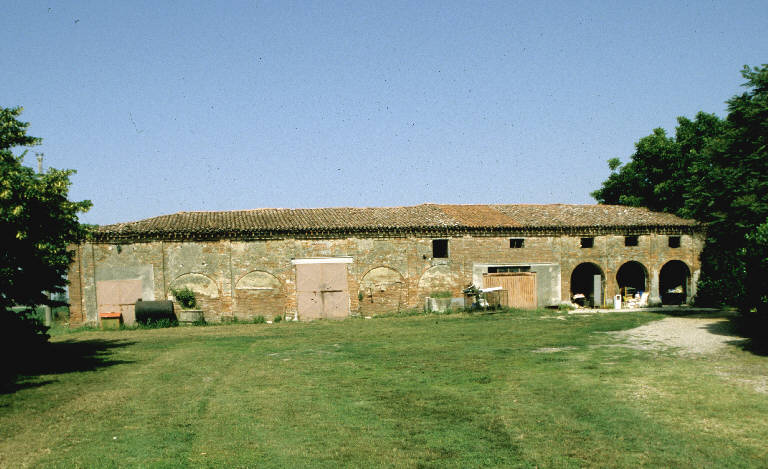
point(259, 319)
point(440, 294)
point(277, 319)
point(158, 323)
point(185, 297)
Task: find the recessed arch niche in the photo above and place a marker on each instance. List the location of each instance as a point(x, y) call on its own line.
point(438, 278)
point(382, 289)
point(258, 293)
point(206, 292)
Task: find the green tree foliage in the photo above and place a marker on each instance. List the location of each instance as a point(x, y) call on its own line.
point(37, 224)
point(757, 267)
point(715, 171)
point(659, 170)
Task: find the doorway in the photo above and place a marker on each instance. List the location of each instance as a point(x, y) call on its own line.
point(322, 288)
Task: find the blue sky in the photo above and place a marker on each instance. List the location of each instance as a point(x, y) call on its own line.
point(167, 106)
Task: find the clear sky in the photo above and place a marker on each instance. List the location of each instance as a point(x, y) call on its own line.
point(166, 106)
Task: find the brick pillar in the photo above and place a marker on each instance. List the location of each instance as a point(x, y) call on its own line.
point(654, 299)
point(75, 289)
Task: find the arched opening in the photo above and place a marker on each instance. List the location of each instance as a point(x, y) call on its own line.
point(585, 285)
point(674, 280)
point(632, 278)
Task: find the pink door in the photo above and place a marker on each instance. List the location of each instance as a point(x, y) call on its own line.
point(322, 291)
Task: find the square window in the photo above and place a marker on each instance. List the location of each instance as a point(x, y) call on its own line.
point(439, 248)
point(587, 243)
point(674, 241)
point(516, 242)
point(630, 241)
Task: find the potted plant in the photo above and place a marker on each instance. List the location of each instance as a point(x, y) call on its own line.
point(189, 313)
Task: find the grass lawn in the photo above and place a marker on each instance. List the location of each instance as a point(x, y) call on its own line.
point(520, 389)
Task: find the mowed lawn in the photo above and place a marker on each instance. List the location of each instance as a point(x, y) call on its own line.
point(516, 389)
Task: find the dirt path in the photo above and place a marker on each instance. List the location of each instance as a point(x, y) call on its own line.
point(689, 335)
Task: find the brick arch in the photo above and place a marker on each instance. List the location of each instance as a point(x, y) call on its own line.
point(633, 274)
point(206, 291)
point(258, 293)
point(197, 282)
point(582, 282)
point(383, 289)
point(437, 278)
point(675, 282)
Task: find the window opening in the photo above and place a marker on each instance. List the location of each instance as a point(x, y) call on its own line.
point(587, 243)
point(630, 241)
point(439, 248)
point(516, 242)
point(674, 241)
point(508, 268)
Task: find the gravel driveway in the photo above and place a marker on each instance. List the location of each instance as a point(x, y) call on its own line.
point(689, 335)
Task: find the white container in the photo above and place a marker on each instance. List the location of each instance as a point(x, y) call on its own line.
point(617, 302)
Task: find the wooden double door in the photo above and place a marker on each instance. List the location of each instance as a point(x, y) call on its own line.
point(520, 288)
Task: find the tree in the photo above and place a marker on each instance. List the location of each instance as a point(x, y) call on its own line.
point(659, 170)
point(729, 191)
point(37, 224)
point(715, 171)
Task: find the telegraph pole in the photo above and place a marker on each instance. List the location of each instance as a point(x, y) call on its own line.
point(46, 308)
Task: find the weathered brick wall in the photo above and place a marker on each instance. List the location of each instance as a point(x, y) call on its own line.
point(249, 278)
point(74, 277)
point(382, 290)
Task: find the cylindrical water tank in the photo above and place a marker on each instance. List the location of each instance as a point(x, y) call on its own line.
point(154, 310)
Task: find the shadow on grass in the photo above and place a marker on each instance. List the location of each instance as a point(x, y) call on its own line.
point(754, 327)
point(749, 330)
point(694, 312)
point(58, 358)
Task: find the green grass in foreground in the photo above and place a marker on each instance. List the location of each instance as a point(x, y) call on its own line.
point(520, 389)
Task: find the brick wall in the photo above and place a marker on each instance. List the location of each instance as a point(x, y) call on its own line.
point(249, 278)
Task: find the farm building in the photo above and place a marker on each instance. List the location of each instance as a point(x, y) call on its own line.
point(333, 262)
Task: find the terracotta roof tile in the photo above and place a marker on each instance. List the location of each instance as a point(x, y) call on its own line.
point(419, 218)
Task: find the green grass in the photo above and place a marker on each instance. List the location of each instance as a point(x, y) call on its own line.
point(522, 389)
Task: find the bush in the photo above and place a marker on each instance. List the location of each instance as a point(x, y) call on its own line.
point(158, 323)
point(440, 294)
point(185, 297)
point(259, 319)
point(277, 319)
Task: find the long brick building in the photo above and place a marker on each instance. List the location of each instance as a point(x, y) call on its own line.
point(333, 262)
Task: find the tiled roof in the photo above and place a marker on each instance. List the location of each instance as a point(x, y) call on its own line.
point(271, 222)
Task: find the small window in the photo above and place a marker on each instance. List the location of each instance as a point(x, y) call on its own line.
point(630, 241)
point(440, 248)
point(516, 242)
point(674, 241)
point(509, 268)
point(587, 243)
